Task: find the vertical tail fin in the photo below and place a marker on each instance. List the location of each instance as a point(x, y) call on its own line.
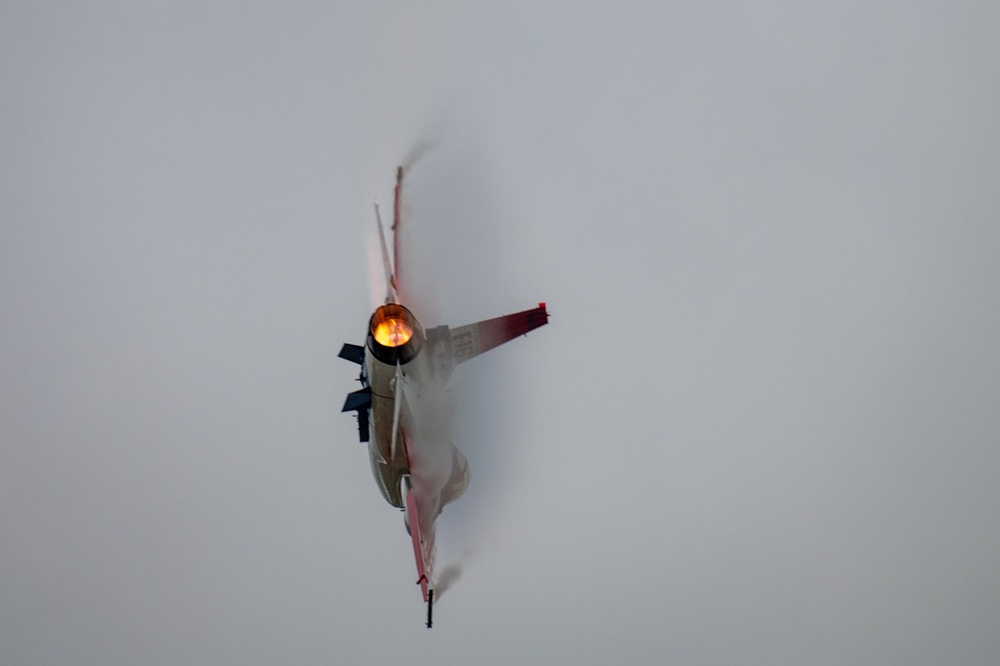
point(391, 267)
point(391, 293)
point(396, 216)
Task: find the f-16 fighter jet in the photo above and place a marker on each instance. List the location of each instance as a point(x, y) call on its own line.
point(404, 371)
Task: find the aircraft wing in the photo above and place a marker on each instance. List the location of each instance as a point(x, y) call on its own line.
point(420, 523)
point(473, 339)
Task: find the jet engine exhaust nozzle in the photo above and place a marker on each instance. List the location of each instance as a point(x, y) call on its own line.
point(394, 335)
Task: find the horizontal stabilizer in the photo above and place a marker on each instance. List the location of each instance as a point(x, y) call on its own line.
point(361, 402)
point(358, 400)
point(352, 353)
point(363, 425)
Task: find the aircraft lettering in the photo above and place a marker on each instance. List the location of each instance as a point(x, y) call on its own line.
point(464, 345)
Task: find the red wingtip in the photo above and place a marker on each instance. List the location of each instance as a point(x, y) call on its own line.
point(542, 307)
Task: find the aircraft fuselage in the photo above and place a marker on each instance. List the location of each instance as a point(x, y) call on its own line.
point(415, 450)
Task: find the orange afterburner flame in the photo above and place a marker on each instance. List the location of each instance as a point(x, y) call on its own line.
point(393, 332)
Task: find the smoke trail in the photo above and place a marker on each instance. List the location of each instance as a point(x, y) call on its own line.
point(449, 575)
point(416, 153)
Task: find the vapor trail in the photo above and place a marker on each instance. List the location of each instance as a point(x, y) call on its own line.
point(419, 149)
point(449, 575)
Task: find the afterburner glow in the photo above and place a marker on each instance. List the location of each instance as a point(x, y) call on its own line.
point(393, 332)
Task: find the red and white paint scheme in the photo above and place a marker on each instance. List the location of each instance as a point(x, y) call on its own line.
point(404, 372)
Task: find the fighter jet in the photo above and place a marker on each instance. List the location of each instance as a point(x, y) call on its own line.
point(405, 370)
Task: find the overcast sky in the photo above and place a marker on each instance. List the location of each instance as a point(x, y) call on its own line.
point(762, 426)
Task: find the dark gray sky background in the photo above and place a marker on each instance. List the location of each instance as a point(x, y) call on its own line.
point(763, 424)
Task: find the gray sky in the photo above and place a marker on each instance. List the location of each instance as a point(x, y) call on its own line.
point(762, 426)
